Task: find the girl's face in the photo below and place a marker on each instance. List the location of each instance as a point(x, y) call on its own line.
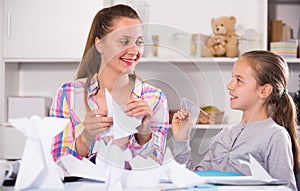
point(243, 86)
point(123, 47)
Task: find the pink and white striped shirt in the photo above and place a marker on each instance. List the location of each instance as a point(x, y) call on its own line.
point(69, 103)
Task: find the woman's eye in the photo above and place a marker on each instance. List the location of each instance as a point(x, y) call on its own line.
point(124, 42)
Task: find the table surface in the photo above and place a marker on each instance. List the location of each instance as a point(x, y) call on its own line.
point(96, 186)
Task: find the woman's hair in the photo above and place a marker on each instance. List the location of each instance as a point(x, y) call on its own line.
point(102, 25)
point(270, 68)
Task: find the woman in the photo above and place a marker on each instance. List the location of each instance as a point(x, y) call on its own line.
point(113, 48)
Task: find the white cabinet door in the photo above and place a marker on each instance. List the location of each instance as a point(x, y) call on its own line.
point(42, 29)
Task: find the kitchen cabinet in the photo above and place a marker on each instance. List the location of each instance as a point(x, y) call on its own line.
point(43, 41)
point(47, 29)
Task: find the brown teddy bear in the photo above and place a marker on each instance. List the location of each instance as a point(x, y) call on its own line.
point(216, 45)
point(223, 26)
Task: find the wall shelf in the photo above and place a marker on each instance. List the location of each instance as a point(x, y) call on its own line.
point(220, 60)
point(293, 60)
point(209, 126)
point(189, 60)
point(41, 60)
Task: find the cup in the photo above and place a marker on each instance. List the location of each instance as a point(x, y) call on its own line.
point(4, 166)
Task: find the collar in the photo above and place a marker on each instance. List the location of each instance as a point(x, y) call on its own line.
point(137, 88)
point(93, 85)
point(257, 123)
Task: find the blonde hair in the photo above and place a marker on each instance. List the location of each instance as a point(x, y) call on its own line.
point(270, 68)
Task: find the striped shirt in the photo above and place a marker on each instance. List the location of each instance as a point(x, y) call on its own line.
point(69, 103)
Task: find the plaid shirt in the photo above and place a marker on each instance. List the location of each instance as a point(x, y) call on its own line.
point(69, 103)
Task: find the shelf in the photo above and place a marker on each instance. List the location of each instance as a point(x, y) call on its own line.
point(285, 1)
point(212, 126)
point(216, 126)
point(189, 60)
point(209, 126)
point(204, 60)
point(147, 59)
point(293, 60)
point(41, 61)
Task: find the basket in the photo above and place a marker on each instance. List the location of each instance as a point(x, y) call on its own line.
point(211, 118)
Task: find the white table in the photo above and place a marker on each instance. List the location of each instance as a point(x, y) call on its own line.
point(96, 186)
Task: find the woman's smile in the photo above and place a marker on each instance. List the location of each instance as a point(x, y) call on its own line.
point(128, 61)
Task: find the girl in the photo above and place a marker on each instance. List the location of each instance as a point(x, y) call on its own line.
point(113, 48)
point(267, 129)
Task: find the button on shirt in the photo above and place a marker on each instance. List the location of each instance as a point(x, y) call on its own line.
point(69, 103)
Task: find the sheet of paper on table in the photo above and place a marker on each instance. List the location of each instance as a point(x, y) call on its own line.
point(259, 176)
point(145, 173)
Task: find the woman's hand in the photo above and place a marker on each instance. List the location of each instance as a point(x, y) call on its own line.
point(95, 122)
point(182, 125)
point(140, 108)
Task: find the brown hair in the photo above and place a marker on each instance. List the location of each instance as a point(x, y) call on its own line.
point(102, 25)
point(270, 68)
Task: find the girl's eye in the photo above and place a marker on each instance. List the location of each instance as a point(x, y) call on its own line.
point(238, 80)
point(139, 42)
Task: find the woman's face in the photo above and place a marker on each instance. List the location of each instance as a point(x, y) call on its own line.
point(243, 88)
point(123, 47)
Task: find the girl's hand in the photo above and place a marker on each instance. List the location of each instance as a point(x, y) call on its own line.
point(140, 108)
point(182, 125)
point(95, 122)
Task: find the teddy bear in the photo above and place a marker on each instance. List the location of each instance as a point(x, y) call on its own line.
point(216, 45)
point(222, 26)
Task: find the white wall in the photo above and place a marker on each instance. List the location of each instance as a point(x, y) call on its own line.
point(288, 13)
point(194, 16)
point(1, 76)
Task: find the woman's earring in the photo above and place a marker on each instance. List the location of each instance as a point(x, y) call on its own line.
point(99, 48)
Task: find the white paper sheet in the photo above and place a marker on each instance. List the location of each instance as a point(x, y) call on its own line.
point(178, 174)
point(259, 176)
point(257, 171)
point(145, 173)
point(123, 125)
point(83, 168)
point(37, 168)
point(189, 105)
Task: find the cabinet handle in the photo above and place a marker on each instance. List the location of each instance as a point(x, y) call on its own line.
point(8, 24)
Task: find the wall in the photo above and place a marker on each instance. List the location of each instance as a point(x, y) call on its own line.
point(194, 16)
point(202, 83)
point(1, 76)
point(54, 75)
point(288, 12)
